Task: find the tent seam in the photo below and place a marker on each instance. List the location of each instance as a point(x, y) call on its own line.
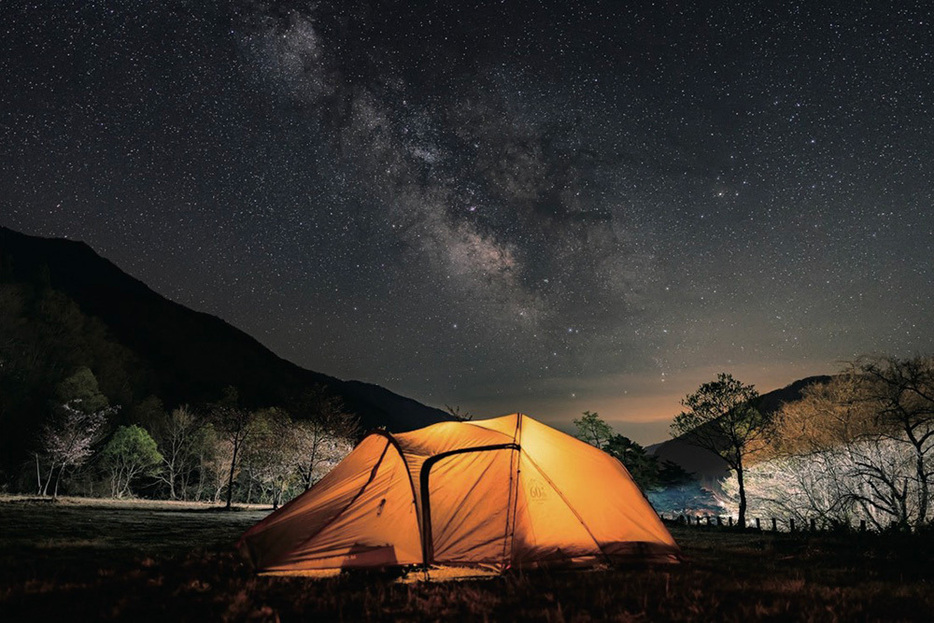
point(395, 444)
point(513, 493)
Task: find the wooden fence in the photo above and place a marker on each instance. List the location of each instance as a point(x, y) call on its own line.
point(775, 524)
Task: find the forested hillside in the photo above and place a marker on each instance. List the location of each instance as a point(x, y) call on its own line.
point(72, 325)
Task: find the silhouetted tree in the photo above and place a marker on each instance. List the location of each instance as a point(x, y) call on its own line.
point(901, 392)
point(459, 415)
point(721, 417)
point(671, 474)
point(321, 421)
point(641, 466)
point(593, 430)
point(273, 453)
point(233, 424)
point(646, 470)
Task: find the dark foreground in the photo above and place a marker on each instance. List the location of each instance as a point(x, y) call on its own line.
point(84, 562)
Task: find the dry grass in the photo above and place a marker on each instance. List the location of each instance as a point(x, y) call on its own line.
point(153, 561)
point(125, 503)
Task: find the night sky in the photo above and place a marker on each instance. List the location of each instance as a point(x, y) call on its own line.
point(546, 207)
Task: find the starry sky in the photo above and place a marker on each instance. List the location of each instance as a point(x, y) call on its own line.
point(546, 207)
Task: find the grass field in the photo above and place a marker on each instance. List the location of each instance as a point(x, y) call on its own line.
point(95, 560)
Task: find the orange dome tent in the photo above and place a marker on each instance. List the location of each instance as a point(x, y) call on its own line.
point(499, 493)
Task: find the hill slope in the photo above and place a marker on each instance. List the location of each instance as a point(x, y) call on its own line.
point(188, 356)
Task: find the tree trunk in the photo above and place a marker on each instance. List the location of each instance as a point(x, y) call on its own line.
point(38, 477)
point(48, 481)
point(172, 483)
point(922, 488)
point(201, 469)
point(128, 478)
point(311, 463)
point(58, 479)
point(183, 485)
point(230, 477)
point(742, 496)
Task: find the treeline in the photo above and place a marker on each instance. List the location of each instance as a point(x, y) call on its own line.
point(219, 451)
point(79, 414)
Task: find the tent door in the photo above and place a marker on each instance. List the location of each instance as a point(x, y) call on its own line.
point(469, 499)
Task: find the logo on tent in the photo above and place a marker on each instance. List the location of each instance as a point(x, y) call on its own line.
point(537, 490)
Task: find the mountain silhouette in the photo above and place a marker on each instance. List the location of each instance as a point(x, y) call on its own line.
point(189, 356)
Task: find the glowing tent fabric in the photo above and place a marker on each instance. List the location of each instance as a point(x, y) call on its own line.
point(505, 492)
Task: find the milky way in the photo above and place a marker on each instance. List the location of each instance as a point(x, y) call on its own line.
point(545, 207)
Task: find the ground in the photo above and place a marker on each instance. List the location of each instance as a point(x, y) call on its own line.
point(98, 560)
